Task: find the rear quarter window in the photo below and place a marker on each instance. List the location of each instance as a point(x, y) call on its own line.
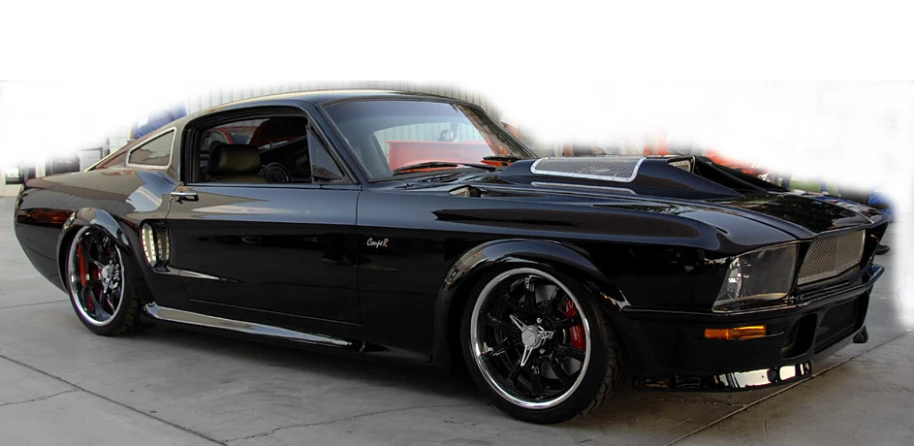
point(156, 152)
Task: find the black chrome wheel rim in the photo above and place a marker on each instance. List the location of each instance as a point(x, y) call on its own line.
point(95, 273)
point(530, 338)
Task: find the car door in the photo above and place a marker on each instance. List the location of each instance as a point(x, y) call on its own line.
point(243, 242)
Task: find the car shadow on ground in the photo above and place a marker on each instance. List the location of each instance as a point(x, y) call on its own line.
point(365, 370)
point(356, 367)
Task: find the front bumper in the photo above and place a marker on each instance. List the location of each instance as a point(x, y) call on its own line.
point(668, 348)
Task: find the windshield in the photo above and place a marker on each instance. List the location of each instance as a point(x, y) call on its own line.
point(389, 135)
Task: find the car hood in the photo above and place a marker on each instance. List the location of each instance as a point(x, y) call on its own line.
point(795, 212)
point(686, 187)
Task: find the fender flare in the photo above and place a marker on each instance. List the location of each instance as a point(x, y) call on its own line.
point(453, 292)
point(89, 217)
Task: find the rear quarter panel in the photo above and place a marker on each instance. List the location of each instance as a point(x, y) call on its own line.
point(45, 204)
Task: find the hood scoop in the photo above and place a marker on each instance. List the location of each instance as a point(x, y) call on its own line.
point(688, 177)
point(617, 169)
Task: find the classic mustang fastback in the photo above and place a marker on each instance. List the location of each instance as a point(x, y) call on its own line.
point(414, 227)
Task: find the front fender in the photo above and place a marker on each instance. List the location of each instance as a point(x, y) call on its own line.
point(460, 279)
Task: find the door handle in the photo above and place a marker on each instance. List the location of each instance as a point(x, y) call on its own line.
point(182, 196)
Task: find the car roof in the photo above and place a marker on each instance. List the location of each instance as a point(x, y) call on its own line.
point(317, 97)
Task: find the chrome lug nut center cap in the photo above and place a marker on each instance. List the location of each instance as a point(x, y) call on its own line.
point(533, 336)
point(108, 275)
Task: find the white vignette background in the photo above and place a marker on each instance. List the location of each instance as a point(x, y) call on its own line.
point(707, 74)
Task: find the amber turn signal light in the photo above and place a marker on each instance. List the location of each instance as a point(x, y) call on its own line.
point(731, 334)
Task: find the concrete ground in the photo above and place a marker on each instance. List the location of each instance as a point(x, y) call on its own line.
point(60, 384)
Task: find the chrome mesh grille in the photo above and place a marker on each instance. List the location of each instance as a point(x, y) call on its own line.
point(610, 168)
point(831, 255)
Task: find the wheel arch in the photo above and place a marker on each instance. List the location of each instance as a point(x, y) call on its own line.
point(476, 262)
point(89, 217)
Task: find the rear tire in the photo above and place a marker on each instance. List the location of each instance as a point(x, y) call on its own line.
point(100, 284)
point(538, 344)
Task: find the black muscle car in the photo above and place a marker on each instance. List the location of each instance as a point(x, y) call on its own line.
point(548, 278)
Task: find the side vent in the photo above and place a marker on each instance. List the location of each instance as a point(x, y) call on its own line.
point(686, 164)
point(156, 244)
point(466, 191)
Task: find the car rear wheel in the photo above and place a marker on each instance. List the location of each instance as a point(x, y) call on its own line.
point(539, 345)
point(99, 284)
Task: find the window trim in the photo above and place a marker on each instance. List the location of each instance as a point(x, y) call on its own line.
point(171, 150)
point(97, 165)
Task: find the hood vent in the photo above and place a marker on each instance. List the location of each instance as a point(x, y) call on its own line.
point(611, 168)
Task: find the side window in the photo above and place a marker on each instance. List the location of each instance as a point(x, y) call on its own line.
point(155, 152)
point(268, 150)
point(231, 133)
point(323, 168)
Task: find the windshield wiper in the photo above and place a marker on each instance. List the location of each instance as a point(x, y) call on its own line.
point(442, 164)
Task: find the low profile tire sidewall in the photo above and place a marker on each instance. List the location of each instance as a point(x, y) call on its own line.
point(582, 398)
point(120, 315)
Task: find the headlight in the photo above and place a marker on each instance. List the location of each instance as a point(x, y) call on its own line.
point(757, 279)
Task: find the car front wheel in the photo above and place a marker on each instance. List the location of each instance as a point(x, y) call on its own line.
point(539, 345)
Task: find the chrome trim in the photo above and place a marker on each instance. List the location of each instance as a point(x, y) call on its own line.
point(180, 196)
point(171, 152)
point(198, 275)
point(629, 179)
point(203, 320)
point(677, 163)
point(734, 381)
point(765, 377)
point(102, 159)
point(73, 277)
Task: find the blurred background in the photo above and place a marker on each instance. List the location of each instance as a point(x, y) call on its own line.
point(852, 140)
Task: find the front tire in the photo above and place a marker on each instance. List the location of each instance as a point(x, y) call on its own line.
point(538, 344)
point(99, 283)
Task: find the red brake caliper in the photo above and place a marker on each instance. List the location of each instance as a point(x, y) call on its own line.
point(82, 274)
point(577, 332)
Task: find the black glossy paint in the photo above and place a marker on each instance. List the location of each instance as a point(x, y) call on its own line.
point(391, 263)
point(287, 250)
